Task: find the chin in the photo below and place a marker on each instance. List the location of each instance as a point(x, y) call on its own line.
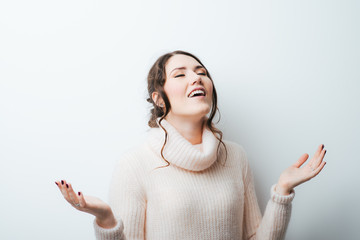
point(201, 113)
point(195, 112)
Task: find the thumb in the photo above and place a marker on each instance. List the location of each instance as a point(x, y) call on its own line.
point(301, 160)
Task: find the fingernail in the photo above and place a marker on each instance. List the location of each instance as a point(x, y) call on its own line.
point(56, 183)
point(67, 186)
point(79, 193)
point(325, 152)
point(322, 147)
point(62, 182)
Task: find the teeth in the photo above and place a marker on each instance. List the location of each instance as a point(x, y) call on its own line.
point(195, 92)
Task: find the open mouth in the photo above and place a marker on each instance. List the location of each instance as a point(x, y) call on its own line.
point(197, 93)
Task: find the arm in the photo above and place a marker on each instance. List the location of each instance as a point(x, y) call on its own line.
point(273, 225)
point(127, 200)
point(95, 206)
point(125, 217)
point(277, 214)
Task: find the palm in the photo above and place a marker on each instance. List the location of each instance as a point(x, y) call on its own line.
point(89, 204)
point(294, 175)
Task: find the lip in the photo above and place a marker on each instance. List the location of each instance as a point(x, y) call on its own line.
point(198, 88)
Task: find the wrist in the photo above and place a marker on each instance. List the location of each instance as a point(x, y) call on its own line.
point(282, 190)
point(106, 221)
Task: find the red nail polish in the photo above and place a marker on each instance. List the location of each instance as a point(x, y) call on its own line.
point(325, 152)
point(62, 182)
point(322, 147)
point(56, 183)
point(79, 193)
point(67, 186)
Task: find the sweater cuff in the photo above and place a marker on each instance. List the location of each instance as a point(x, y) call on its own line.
point(281, 199)
point(109, 233)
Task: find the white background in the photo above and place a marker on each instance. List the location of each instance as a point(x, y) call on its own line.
point(73, 99)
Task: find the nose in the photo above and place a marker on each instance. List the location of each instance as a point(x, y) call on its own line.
point(197, 78)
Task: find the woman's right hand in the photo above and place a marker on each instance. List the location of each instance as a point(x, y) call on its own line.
point(93, 205)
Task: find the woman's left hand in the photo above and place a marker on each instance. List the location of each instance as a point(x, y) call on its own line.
point(294, 175)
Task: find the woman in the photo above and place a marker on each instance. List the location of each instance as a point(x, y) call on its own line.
point(184, 181)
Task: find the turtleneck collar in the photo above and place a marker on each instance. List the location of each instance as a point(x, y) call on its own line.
point(179, 151)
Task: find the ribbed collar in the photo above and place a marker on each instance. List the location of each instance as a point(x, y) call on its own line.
point(179, 151)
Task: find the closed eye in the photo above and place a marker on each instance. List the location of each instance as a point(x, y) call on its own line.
point(181, 75)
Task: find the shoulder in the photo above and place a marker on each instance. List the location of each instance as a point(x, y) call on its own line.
point(235, 148)
point(129, 168)
point(134, 155)
point(138, 159)
point(236, 154)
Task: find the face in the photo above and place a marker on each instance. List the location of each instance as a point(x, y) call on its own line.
point(188, 87)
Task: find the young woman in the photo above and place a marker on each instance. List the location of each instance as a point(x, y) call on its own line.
point(185, 181)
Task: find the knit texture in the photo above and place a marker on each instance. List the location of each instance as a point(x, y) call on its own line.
point(199, 196)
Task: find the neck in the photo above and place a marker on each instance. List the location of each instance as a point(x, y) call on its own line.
point(190, 129)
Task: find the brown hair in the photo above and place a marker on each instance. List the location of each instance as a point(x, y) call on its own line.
point(156, 81)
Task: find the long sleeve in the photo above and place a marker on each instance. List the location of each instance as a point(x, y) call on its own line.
point(127, 200)
point(273, 225)
point(196, 197)
point(116, 232)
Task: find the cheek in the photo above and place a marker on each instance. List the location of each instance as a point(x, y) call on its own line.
point(210, 87)
point(174, 91)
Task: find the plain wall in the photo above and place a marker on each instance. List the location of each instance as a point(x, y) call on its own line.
point(73, 99)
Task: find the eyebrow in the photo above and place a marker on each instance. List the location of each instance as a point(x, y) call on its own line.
point(181, 68)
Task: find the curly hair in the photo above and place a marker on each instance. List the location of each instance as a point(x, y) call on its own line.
point(156, 81)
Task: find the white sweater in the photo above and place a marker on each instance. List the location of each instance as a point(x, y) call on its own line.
point(196, 197)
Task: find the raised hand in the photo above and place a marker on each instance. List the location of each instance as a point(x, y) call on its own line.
point(93, 205)
point(294, 175)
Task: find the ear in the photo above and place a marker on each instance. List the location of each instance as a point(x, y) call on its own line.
point(157, 99)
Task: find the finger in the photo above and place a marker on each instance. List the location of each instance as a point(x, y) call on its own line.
point(319, 149)
point(301, 160)
point(61, 185)
point(318, 169)
point(58, 184)
point(317, 153)
point(64, 190)
point(81, 200)
point(73, 197)
point(317, 160)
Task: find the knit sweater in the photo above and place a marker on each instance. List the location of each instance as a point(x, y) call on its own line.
point(198, 196)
